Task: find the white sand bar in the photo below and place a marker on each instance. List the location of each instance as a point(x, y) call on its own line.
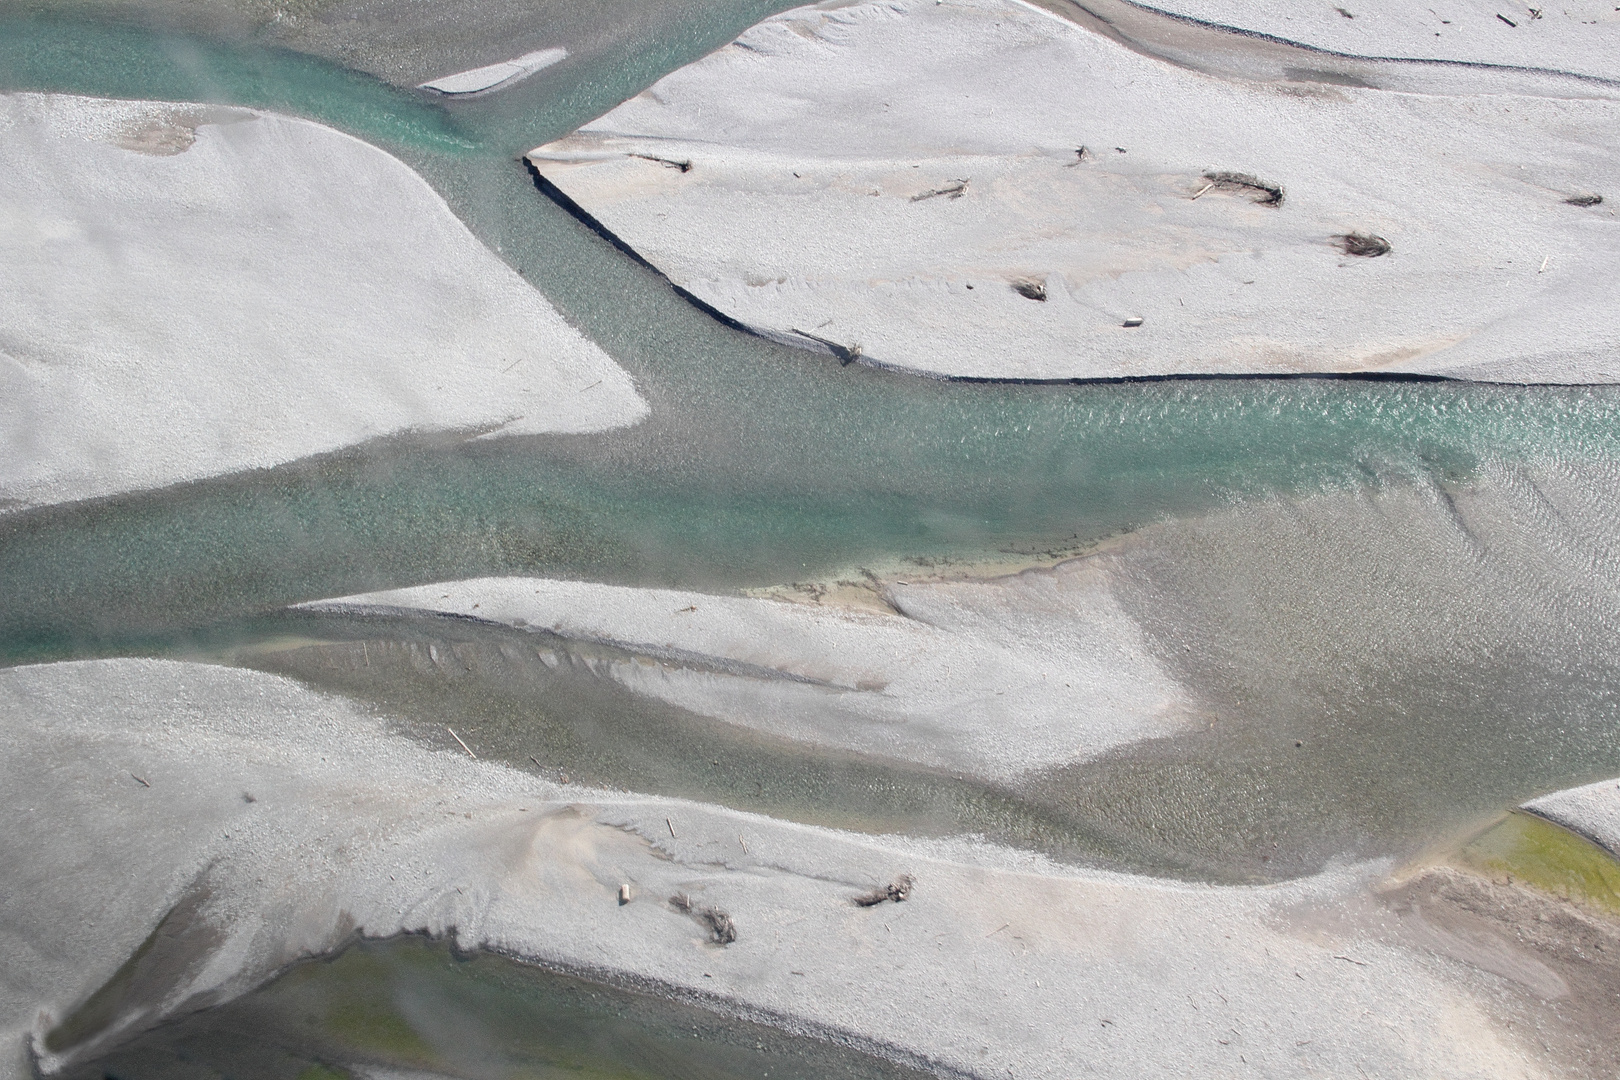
point(126, 783)
point(1581, 36)
point(1593, 811)
point(882, 178)
point(991, 678)
point(496, 76)
point(187, 291)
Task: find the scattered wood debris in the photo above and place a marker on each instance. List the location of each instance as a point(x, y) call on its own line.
point(671, 823)
point(1134, 320)
point(898, 891)
point(624, 895)
point(721, 929)
point(1507, 20)
point(141, 780)
point(668, 163)
point(1030, 290)
point(1364, 245)
point(1343, 12)
point(954, 190)
point(1584, 200)
point(1263, 192)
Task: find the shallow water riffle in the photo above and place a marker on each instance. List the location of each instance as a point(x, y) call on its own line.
point(540, 702)
point(1380, 667)
point(414, 1004)
point(802, 477)
point(1375, 669)
point(760, 465)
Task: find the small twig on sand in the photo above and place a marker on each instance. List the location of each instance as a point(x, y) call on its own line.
point(140, 780)
point(1544, 263)
point(1201, 190)
point(743, 842)
point(998, 930)
point(513, 364)
point(954, 190)
point(1507, 20)
point(684, 166)
point(464, 746)
point(1351, 959)
point(536, 762)
point(898, 891)
point(671, 825)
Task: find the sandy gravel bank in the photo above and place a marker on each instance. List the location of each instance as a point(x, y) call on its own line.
point(256, 821)
point(187, 291)
point(989, 678)
point(1583, 36)
point(990, 190)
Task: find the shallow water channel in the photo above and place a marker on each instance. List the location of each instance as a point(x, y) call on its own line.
point(418, 1007)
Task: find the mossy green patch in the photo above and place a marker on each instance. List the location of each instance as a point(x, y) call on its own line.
point(1549, 857)
point(325, 1072)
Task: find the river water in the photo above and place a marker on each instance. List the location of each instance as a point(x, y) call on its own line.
point(1400, 592)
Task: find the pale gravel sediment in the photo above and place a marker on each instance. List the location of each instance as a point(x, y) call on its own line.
point(825, 204)
point(187, 291)
point(992, 678)
point(1592, 811)
point(1582, 36)
point(495, 76)
point(1000, 961)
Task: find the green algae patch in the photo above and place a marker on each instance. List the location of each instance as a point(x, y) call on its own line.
point(419, 1004)
point(1532, 850)
point(324, 1072)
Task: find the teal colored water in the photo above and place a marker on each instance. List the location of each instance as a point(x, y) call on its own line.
point(41, 49)
point(760, 464)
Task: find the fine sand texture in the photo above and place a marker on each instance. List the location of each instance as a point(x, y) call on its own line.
point(991, 190)
point(992, 679)
point(187, 291)
point(275, 822)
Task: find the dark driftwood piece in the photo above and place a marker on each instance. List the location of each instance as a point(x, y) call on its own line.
point(1030, 290)
point(954, 190)
point(1264, 192)
point(1365, 245)
point(668, 163)
point(1584, 200)
point(722, 931)
point(898, 891)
